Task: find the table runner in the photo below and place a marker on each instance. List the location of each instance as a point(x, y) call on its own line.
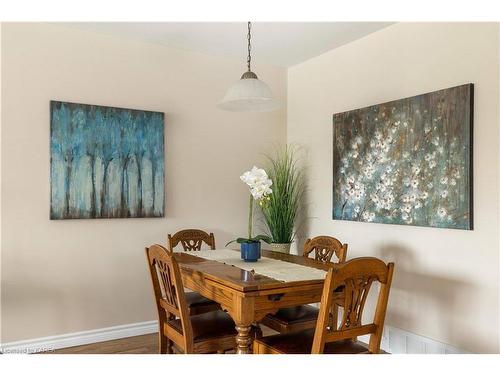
point(276, 269)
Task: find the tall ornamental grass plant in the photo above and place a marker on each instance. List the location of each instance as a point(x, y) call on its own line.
point(281, 209)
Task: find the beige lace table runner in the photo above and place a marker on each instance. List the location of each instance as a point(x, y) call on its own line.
point(276, 269)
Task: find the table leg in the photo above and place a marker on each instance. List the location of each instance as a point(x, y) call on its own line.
point(243, 339)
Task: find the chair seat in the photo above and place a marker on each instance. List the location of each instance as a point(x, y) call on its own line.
point(194, 299)
point(198, 304)
point(210, 325)
point(293, 315)
point(298, 318)
point(301, 343)
point(292, 319)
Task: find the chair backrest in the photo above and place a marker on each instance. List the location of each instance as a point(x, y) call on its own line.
point(356, 276)
point(168, 290)
point(324, 247)
point(191, 239)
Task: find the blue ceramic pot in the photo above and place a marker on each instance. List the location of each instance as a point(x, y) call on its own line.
point(250, 252)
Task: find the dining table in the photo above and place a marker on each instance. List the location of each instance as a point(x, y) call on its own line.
point(250, 290)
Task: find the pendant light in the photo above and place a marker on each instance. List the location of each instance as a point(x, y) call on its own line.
point(249, 94)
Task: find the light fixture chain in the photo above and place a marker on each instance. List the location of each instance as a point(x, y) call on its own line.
point(249, 36)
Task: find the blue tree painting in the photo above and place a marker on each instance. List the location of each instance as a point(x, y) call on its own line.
point(406, 162)
point(106, 162)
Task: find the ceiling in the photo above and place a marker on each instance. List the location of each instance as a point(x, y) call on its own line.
point(274, 43)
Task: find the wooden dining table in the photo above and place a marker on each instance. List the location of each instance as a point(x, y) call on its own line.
point(246, 295)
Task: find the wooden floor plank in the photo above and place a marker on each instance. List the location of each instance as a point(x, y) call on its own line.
point(145, 344)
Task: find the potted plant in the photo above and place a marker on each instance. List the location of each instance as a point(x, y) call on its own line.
point(260, 187)
point(281, 209)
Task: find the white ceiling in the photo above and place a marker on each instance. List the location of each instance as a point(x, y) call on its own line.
point(273, 43)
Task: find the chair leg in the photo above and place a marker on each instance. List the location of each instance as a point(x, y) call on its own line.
point(170, 346)
point(256, 331)
point(165, 345)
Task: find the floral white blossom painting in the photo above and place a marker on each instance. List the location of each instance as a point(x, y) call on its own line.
point(406, 162)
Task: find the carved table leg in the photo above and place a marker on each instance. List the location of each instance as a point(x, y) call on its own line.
point(243, 339)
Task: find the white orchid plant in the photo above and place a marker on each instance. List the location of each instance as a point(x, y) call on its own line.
point(260, 188)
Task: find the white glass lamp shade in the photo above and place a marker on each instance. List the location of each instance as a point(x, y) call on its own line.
point(249, 95)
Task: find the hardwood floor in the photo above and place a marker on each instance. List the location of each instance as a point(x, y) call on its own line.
point(146, 344)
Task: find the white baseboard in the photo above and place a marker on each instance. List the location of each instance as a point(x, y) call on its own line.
point(50, 343)
point(398, 341)
point(394, 340)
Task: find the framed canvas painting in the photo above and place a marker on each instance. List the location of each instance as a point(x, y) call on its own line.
point(105, 162)
point(407, 161)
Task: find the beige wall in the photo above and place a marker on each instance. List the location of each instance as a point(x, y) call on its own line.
point(446, 284)
point(67, 276)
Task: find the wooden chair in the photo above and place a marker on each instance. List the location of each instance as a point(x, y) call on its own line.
point(298, 318)
point(192, 240)
point(205, 333)
point(357, 276)
point(324, 247)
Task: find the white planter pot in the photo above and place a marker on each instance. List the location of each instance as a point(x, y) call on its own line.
point(281, 247)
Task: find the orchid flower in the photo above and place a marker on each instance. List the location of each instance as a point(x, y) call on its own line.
point(259, 185)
